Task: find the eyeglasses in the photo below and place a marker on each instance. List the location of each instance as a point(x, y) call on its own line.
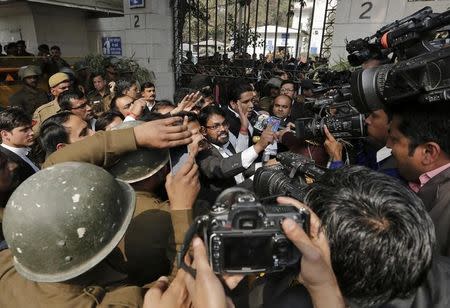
point(82, 106)
point(287, 90)
point(216, 126)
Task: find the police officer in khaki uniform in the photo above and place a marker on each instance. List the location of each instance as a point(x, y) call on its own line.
point(100, 97)
point(104, 285)
point(157, 228)
point(58, 83)
point(62, 249)
point(29, 97)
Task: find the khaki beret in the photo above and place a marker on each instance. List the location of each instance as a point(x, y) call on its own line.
point(57, 78)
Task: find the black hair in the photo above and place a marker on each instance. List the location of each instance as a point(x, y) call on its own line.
point(123, 85)
point(43, 47)
point(421, 124)
point(20, 42)
point(13, 117)
point(55, 47)
point(207, 112)
point(64, 99)
point(147, 84)
point(237, 89)
point(52, 131)
point(192, 117)
point(106, 119)
point(380, 235)
point(96, 74)
point(289, 81)
point(161, 104)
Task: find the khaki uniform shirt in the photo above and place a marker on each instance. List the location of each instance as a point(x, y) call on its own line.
point(43, 113)
point(103, 286)
point(156, 232)
point(28, 99)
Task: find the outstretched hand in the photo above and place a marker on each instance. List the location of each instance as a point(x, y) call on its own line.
point(162, 134)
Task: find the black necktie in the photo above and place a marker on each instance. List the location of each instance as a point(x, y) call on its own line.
point(231, 148)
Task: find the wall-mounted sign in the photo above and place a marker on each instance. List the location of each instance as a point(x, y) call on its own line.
point(137, 3)
point(112, 46)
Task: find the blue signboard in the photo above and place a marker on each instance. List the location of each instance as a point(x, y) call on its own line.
point(137, 3)
point(112, 46)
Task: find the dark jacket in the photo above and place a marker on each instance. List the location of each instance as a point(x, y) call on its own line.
point(22, 171)
point(279, 291)
point(217, 173)
point(435, 194)
point(28, 99)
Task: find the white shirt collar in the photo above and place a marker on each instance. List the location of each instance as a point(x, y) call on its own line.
point(383, 153)
point(235, 113)
point(225, 146)
point(150, 106)
point(19, 151)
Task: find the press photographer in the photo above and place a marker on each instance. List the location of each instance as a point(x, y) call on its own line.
point(414, 91)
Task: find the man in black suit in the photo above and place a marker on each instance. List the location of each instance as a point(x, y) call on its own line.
point(419, 137)
point(240, 103)
point(17, 138)
point(223, 165)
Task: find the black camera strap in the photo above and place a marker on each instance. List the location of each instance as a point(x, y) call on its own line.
point(190, 233)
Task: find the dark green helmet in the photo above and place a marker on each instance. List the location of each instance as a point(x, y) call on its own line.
point(141, 164)
point(65, 219)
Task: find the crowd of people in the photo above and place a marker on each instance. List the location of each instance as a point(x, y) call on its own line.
point(94, 211)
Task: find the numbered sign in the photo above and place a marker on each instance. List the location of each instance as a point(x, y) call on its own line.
point(368, 11)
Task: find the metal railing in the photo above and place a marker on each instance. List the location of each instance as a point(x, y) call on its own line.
point(246, 34)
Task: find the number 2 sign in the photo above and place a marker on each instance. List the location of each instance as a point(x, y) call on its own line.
point(373, 11)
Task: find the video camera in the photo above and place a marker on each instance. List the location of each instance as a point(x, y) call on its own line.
point(422, 70)
point(336, 112)
point(243, 236)
point(289, 178)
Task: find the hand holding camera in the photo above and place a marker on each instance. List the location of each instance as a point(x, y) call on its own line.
point(316, 273)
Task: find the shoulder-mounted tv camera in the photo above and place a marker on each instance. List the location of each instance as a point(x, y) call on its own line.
point(421, 73)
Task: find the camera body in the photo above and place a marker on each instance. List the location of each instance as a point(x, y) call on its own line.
point(243, 236)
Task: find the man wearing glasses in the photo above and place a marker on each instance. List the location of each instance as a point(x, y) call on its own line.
point(289, 88)
point(229, 160)
point(75, 102)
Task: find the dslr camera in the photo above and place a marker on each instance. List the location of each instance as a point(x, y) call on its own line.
point(243, 236)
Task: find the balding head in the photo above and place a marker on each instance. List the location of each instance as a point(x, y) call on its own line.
point(282, 106)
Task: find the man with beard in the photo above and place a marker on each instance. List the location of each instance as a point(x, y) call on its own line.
point(222, 165)
point(29, 97)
